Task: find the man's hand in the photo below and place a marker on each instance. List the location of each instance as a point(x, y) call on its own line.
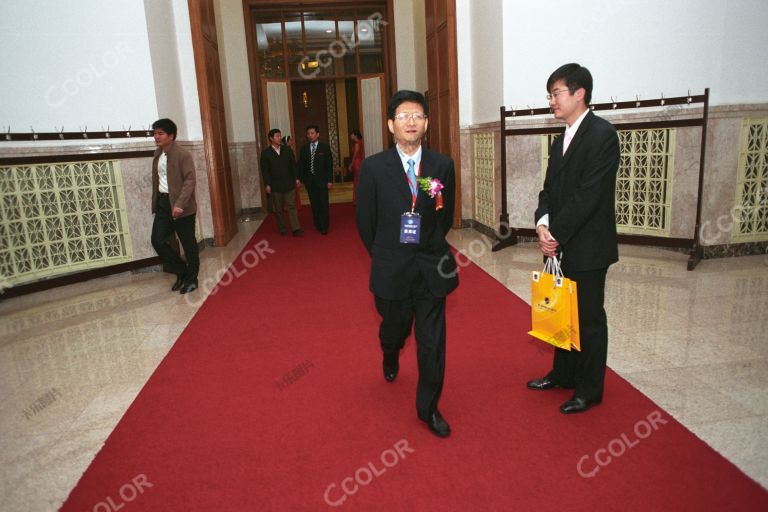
point(547, 242)
point(176, 213)
point(298, 184)
point(267, 189)
point(330, 186)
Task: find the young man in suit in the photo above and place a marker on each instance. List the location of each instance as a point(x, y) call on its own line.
point(316, 172)
point(174, 205)
point(412, 269)
point(576, 219)
point(278, 168)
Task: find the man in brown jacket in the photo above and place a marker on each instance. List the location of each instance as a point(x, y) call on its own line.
point(174, 206)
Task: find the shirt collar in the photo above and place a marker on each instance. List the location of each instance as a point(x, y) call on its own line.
point(416, 157)
point(571, 130)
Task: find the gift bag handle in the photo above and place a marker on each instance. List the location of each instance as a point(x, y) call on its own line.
point(552, 266)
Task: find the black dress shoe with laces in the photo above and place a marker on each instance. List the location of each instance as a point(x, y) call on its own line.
point(577, 404)
point(178, 284)
point(391, 365)
point(542, 384)
point(438, 425)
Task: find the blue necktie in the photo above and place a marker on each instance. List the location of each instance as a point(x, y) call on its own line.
point(412, 177)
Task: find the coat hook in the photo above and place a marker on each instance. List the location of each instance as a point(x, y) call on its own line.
point(637, 103)
point(662, 100)
point(34, 135)
point(614, 103)
point(689, 99)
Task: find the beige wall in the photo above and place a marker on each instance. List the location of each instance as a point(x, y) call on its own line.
point(410, 45)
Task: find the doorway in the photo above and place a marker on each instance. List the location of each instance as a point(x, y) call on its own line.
point(325, 66)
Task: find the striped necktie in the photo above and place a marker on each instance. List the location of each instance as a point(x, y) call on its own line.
point(412, 177)
point(312, 157)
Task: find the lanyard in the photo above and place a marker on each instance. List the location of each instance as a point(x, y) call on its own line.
point(413, 196)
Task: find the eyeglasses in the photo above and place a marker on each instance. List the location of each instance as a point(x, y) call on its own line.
point(555, 94)
point(416, 116)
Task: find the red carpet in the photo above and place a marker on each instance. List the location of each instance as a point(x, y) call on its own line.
point(219, 426)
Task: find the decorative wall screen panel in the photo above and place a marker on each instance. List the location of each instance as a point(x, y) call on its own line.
point(751, 213)
point(59, 218)
point(485, 190)
point(643, 182)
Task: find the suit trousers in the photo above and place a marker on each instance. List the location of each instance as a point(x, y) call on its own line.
point(585, 370)
point(428, 311)
point(163, 227)
point(318, 199)
point(283, 200)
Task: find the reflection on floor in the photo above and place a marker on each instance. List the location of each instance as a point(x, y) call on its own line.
point(72, 359)
point(339, 193)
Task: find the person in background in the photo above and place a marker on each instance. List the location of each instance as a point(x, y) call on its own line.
point(316, 172)
point(174, 205)
point(358, 154)
point(278, 168)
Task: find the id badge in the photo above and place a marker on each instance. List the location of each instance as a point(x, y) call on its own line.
point(410, 228)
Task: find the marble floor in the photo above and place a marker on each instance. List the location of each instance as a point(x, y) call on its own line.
point(72, 359)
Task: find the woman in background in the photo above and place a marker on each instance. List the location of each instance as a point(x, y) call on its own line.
point(358, 154)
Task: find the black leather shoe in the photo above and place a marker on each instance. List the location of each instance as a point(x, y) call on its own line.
point(178, 284)
point(391, 365)
point(297, 232)
point(542, 384)
point(438, 425)
point(577, 404)
point(323, 231)
point(188, 287)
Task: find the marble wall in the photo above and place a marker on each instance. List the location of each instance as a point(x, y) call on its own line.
point(246, 178)
point(524, 171)
point(137, 183)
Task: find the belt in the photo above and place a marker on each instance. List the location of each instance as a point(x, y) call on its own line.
point(162, 194)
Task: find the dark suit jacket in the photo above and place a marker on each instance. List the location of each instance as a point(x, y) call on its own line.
point(323, 165)
point(579, 196)
point(181, 179)
point(278, 171)
point(383, 195)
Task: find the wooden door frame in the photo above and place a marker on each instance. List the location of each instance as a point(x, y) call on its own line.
point(450, 51)
point(223, 231)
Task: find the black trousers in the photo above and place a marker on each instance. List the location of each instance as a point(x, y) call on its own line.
point(585, 370)
point(163, 227)
point(318, 199)
point(397, 318)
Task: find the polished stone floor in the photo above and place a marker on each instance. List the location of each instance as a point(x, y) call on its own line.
point(73, 359)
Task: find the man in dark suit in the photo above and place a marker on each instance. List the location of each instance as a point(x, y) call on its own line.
point(174, 205)
point(576, 218)
point(412, 268)
point(316, 172)
point(278, 168)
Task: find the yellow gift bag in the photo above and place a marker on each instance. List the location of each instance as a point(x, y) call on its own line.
point(554, 307)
